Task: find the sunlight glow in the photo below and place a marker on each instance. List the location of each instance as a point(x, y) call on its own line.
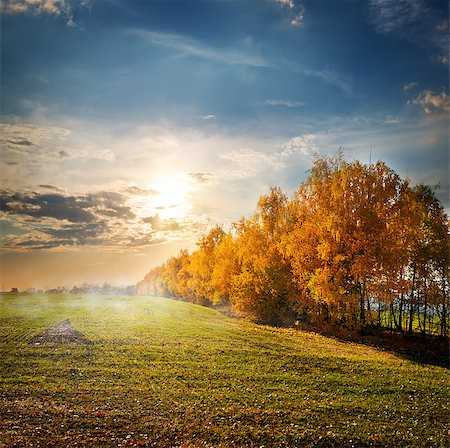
point(172, 199)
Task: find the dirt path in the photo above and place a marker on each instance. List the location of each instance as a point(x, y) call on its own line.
point(62, 333)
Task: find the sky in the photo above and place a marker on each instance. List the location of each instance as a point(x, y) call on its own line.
point(130, 127)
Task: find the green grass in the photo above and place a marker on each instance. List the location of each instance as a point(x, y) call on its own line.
point(168, 373)
point(433, 324)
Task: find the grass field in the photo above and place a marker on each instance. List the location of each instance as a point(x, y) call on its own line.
point(166, 373)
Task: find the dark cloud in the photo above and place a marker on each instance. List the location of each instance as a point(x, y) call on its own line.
point(78, 234)
point(46, 205)
point(117, 212)
point(51, 218)
point(50, 187)
point(145, 240)
point(20, 142)
point(39, 244)
point(155, 221)
point(200, 177)
point(159, 224)
point(77, 209)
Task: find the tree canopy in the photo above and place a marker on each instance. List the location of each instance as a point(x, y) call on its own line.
point(356, 245)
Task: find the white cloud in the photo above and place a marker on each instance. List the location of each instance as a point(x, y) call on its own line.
point(247, 157)
point(208, 117)
point(252, 162)
point(191, 47)
point(248, 163)
point(64, 8)
point(286, 103)
point(213, 168)
point(392, 120)
point(33, 143)
point(302, 144)
point(287, 3)
point(409, 86)
point(436, 105)
point(297, 11)
point(298, 19)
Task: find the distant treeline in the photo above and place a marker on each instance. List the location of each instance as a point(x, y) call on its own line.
point(355, 246)
point(85, 288)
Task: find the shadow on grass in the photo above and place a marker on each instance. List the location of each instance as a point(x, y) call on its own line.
point(424, 349)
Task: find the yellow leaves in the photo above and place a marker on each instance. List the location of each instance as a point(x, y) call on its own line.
point(348, 237)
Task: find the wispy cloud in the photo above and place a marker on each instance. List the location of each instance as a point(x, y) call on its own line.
point(392, 120)
point(409, 86)
point(186, 46)
point(285, 103)
point(413, 20)
point(208, 117)
point(44, 142)
point(31, 134)
point(389, 16)
point(251, 162)
point(328, 76)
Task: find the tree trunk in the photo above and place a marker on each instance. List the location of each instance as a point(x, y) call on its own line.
point(444, 306)
point(394, 318)
point(425, 304)
point(400, 315)
point(411, 301)
point(379, 314)
point(362, 315)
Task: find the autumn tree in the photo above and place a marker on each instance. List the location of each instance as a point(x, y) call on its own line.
point(430, 258)
point(353, 246)
point(263, 288)
point(345, 213)
point(201, 267)
point(226, 266)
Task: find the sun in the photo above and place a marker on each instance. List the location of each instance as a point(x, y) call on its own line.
point(172, 197)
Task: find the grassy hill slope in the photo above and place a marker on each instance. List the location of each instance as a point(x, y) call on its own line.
point(166, 373)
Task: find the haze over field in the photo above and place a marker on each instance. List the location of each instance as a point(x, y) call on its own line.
point(130, 128)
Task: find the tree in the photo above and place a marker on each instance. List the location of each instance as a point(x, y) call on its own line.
point(355, 243)
point(263, 288)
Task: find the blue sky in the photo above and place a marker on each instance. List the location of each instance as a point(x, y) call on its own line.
point(130, 127)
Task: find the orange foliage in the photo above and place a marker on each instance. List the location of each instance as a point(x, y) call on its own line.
point(353, 242)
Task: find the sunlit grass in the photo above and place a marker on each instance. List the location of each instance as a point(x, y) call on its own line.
point(170, 373)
